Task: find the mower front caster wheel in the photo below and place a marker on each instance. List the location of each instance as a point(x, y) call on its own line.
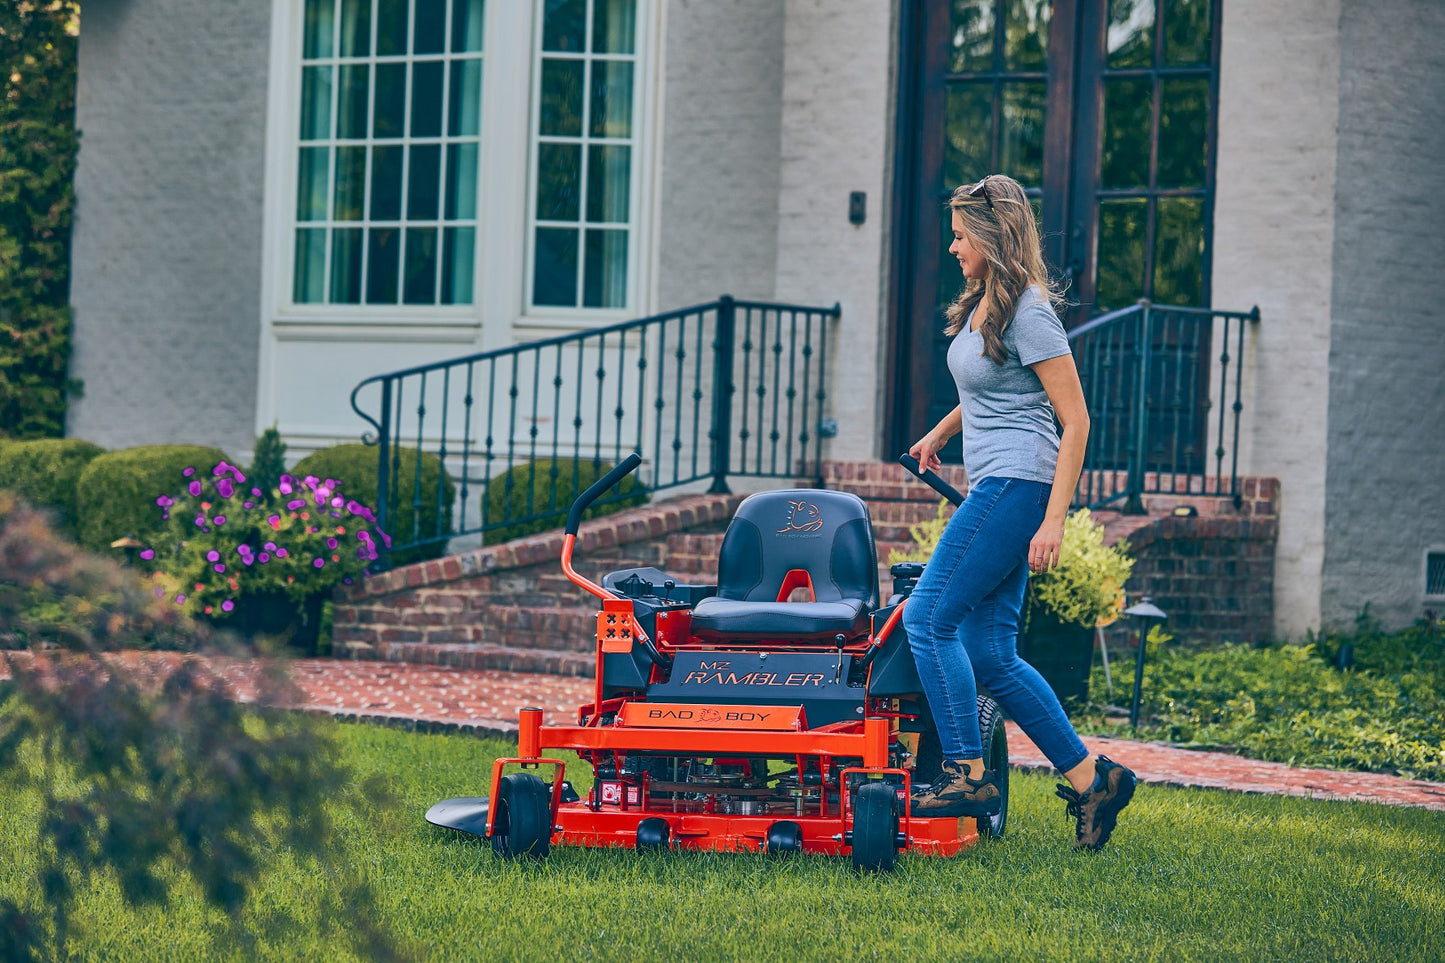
point(522, 823)
point(784, 837)
point(875, 827)
point(654, 833)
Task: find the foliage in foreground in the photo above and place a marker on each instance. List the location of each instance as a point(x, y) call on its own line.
point(1288, 703)
point(154, 782)
point(1190, 874)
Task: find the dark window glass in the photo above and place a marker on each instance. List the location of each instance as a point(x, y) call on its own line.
point(561, 113)
point(605, 272)
point(559, 172)
point(609, 175)
point(315, 103)
point(613, 26)
point(1131, 33)
point(461, 202)
point(429, 34)
point(426, 98)
point(423, 181)
point(1026, 34)
point(309, 286)
point(555, 274)
point(966, 153)
point(564, 25)
point(319, 23)
point(351, 102)
point(1188, 39)
point(311, 183)
point(386, 183)
point(390, 28)
point(383, 259)
point(465, 106)
point(1121, 252)
point(971, 41)
point(346, 266)
point(1021, 141)
point(467, 21)
point(390, 117)
point(611, 99)
point(1128, 116)
point(350, 193)
point(1179, 250)
point(420, 285)
point(355, 28)
point(457, 261)
point(1183, 132)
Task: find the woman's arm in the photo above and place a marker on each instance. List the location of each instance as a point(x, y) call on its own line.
point(1060, 379)
point(927, 448)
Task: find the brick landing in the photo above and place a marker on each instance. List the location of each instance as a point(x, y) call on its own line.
point(485, 702)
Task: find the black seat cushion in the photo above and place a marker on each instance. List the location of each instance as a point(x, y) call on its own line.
point(827, 534)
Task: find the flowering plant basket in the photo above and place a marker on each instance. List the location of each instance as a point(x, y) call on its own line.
point(227, 544)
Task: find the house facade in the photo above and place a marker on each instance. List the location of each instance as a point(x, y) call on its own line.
point(281, 198)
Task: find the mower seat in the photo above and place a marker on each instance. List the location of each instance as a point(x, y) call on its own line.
point(778, 542)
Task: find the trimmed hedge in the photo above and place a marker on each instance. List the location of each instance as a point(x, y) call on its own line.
point(117, 491)
point(354, 466)
point(552, 485)
point(46, 472)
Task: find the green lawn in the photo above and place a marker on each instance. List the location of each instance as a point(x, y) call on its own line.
point(1190, 875)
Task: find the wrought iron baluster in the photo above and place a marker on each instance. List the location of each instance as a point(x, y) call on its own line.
point(442, 456)
point(744, 392)
point(461, 525)
point(697, 394)
point(773, 433)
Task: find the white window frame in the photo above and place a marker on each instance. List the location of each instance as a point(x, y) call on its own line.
point(501, 293)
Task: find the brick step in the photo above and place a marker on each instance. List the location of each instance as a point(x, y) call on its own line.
point(467, 655)
point(553, 629)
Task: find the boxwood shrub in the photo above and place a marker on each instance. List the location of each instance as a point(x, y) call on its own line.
point(551, 485)
point(45, 473)
point(354, 466)
point(117, 491)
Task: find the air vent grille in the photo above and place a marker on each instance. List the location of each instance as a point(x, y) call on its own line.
point(1435, 573)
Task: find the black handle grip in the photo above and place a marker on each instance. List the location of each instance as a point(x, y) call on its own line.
point(937, 484)
point(628, 466)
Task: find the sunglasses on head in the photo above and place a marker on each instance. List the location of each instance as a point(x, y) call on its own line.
point(980, 190)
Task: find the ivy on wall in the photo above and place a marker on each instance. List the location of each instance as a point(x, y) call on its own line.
point(38, 145)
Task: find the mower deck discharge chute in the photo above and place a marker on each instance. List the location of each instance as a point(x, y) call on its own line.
point(779, 710)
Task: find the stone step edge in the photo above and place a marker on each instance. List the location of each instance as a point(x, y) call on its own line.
point(640, 524)
point(474, 655)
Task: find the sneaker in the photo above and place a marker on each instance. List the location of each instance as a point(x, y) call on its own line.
point(955, 794)
point(1096, 809)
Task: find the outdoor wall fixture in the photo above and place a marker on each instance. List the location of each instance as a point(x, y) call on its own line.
point(857, 207)
point(1146, 612)
point(1185, 511)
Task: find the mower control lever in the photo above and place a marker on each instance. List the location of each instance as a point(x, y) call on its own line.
point(937, 484)
point(627, 467)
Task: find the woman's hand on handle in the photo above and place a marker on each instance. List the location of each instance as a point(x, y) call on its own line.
point(926, 451)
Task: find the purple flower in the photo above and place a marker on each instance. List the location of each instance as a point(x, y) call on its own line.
point(270, 546)
point(318, 562)
point(248, 504)
point(243, 549)
point(180, 600)
point(213, 556)
point(275, 521)
point(224, 488)
point(194, 488)
point(281, 553)
point(264, 557)
point(250, 559)
point(286, 484)
point(227, 605)
point(296, 503)
point(331, 543)
point(337, 502)
point(256, 492)
point(165, 501)
point(160, 592)
point(200, 521)
point(219, 567)
point(220, 519)
point(148, 554)
point(188, 472)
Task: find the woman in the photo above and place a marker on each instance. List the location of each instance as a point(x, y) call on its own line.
point(1015, 375)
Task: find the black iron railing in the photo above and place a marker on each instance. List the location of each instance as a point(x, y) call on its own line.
point(719, 390)
point(1164, 390)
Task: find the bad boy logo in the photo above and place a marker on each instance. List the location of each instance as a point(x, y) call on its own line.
point(804, 517)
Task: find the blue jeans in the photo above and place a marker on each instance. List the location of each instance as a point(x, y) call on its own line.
point(963, 624)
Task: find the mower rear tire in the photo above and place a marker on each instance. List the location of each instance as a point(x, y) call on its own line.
point(875, 827)
point(522, 822)
point(995, 757)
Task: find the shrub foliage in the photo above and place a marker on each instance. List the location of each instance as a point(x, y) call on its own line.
point(38, 144)
point(539, 494)
point(46, 472)
point(149, 774)
point(117, 491)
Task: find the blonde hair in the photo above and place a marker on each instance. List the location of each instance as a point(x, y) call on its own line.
point(999, 223)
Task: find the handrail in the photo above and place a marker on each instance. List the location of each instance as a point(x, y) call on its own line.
point(718, 390)
point(1152, 373)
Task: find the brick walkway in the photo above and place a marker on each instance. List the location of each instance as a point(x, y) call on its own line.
point(485, 701)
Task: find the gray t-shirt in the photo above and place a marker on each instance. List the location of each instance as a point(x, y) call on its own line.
point(1008, 423)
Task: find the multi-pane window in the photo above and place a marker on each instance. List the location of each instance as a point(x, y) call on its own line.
point(584, 158)
point(1153, 187)
point(389, 150)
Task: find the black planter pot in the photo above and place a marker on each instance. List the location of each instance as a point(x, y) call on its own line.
point(1063, 652)
point(275, 614)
